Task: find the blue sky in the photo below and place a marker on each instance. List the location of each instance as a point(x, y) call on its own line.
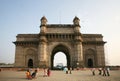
point(96, 17)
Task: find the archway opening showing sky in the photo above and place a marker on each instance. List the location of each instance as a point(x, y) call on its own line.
point(60, 58)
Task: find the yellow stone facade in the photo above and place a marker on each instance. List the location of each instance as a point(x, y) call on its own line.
point(38, 50)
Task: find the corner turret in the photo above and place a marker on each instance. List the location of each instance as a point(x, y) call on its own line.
point(43, 25)
point(43, 21)
point(76, 21)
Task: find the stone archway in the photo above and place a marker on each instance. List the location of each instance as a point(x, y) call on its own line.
point(90, 58)
point(69, 40)
point(60, 48)
point(30, 58)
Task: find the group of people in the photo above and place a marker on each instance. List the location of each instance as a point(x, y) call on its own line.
point(46, 72)
point(68, 71)
point(105, 71)
point(30, 75)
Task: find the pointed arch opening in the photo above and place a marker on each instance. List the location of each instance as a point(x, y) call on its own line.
point(90, 58)
point(64, 55)
point(60, 60)
point(90, 63)
point(30, 63)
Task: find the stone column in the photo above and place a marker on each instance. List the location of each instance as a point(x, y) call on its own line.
point(42, 54)
point(79, 54)
point(19, 57)
point(100, 55)
point(42, 48)
point(78, 42)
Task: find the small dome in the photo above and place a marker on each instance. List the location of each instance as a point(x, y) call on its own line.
point(43, 21)
point(76, 20)
point(43, 18)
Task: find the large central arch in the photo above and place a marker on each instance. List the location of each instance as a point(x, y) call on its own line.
point(60, 48)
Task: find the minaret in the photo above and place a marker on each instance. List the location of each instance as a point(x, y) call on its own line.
point(42, 48)
point(78, 42)
point(43, 29)
point(43, 24)
point(76, 22)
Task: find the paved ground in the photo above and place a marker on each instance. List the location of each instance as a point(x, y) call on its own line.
point(60, 76)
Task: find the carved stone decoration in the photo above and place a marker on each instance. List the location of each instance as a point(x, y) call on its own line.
point(38, 50)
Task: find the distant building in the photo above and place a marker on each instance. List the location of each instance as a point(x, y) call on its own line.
point(59, 64)
point(38, 50)
point(6, 65)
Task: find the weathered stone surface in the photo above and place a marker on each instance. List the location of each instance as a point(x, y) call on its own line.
point(38, 50)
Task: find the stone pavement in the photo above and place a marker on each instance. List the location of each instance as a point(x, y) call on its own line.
point(60, 76)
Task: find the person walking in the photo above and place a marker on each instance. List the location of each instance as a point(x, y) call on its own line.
point(108, 71)
point(104, 71)
point(93, 71)
point(66, 70)
point(100, 71)
point(70, 70)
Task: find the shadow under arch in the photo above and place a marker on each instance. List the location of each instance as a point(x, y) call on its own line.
point(60, 48)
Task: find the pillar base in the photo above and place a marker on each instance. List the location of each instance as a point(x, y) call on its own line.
point(43, 64)
point(81, 64)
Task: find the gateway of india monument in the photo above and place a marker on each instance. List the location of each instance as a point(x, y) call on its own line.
point(38, 50)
